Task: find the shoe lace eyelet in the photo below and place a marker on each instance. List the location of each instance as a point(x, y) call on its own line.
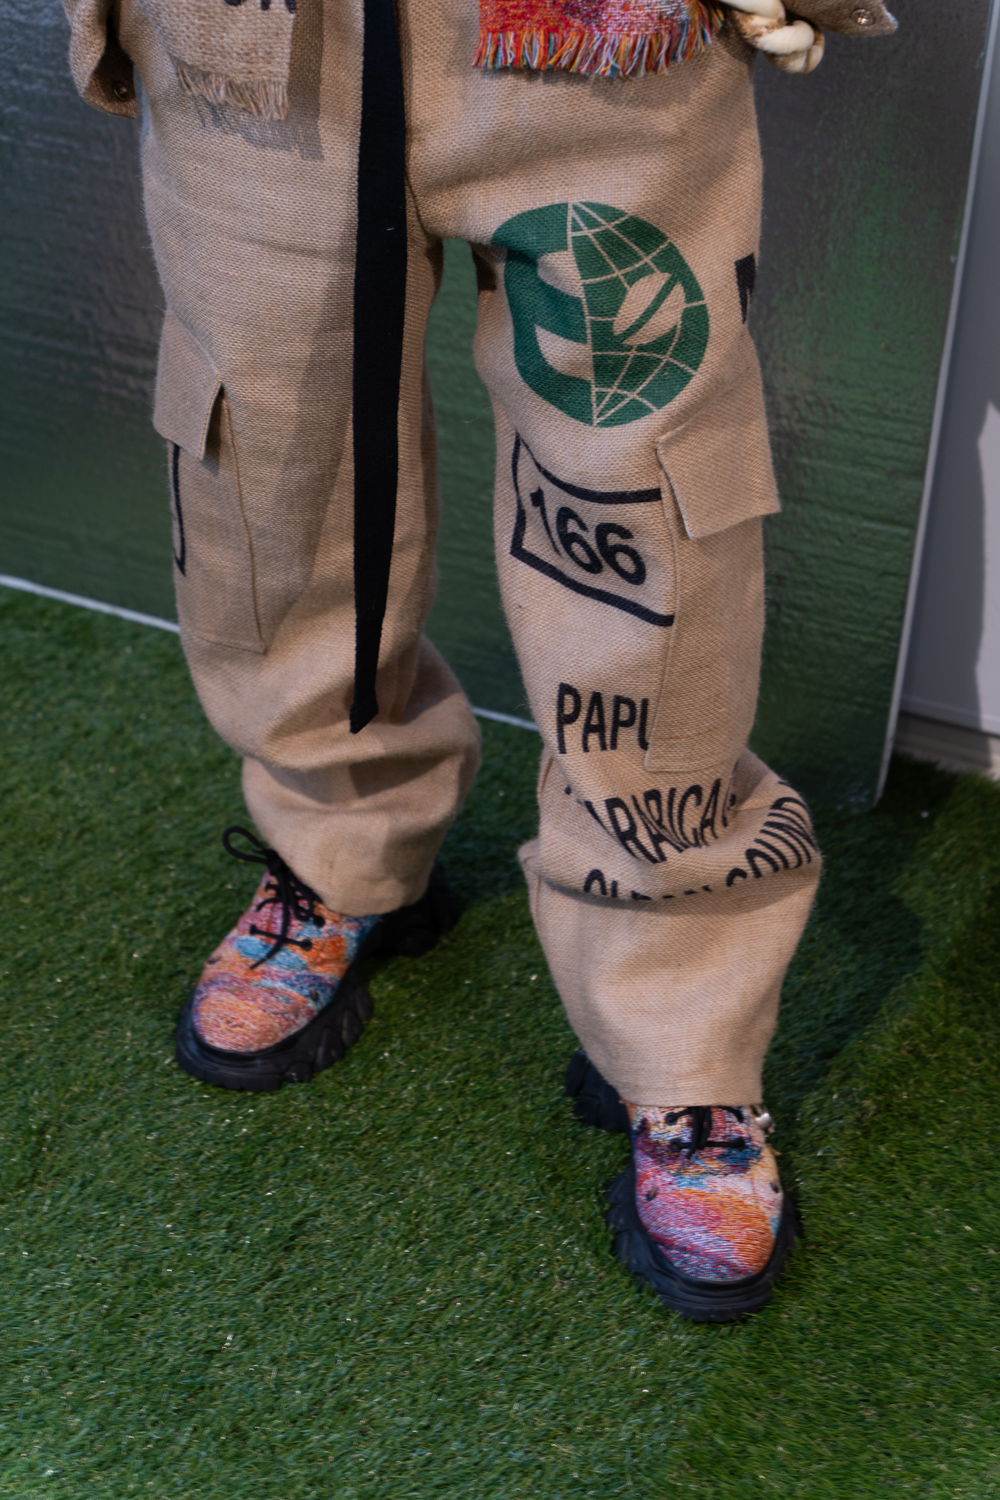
point(290, 896)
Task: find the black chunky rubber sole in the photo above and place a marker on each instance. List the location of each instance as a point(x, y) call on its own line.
point(409, 931)
point(701, 1301)
point(596, 1103)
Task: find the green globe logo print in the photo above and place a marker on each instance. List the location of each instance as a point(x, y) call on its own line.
point(610, 324)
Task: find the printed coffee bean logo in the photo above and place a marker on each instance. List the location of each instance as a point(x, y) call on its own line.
point(610, 323)
point(591, 541)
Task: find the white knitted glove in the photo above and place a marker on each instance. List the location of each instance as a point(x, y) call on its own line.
point(792, 45)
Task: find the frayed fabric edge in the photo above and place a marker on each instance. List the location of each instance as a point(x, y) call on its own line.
point(264, 97)
point(602, 55)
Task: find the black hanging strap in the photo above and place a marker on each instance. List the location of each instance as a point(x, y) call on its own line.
point(379, 307)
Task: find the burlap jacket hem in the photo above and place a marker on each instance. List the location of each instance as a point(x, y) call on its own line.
point(248, 64)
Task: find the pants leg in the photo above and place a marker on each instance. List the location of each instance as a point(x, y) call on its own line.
point(253, 227)
point(615, 224)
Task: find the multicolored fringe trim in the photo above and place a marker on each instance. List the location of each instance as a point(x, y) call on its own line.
point(601, 38)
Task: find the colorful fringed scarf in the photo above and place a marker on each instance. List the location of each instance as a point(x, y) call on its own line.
point(603, 38)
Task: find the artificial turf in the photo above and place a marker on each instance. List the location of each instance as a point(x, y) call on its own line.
point(396, 1281)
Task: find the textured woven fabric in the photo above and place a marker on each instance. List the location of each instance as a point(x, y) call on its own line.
point(247, 1000)
point(603, 38)
point(712, 1208)
point(241, 54)
point(229, 54)
point(613, 228)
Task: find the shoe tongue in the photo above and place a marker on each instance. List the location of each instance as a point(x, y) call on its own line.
point(663, 1119)
point(676, 1122)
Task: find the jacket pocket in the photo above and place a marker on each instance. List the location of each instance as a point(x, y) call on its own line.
point(229, 54)
point(718, 483)
point(213, 553)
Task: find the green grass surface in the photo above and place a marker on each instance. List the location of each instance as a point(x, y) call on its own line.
point(396, 1282)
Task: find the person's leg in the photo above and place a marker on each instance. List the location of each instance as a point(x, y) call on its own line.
point(615, 225)
point(253, 228)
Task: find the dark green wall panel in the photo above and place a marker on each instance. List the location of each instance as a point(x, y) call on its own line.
point(866, 165)
point(81, 506)
point(467, 621)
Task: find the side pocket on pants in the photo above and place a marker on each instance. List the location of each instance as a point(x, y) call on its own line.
point(213, 554)
point(718, 483)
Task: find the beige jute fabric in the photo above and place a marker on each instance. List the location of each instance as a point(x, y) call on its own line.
point(614, 225)
point(243, 55)
point(228, 52)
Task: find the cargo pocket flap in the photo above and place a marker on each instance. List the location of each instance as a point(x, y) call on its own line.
point(718, 463)
point(187, 387)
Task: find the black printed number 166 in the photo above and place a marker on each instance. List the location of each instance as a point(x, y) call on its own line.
point(572, 532)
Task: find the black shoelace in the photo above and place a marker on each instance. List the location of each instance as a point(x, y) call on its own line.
point(701, 1126)
point(297, 900)
point(701, 1133)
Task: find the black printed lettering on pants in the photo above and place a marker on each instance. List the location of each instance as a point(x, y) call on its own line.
point(627, 831)
point(625, 714)
point(618, 718)
point(593, 725)
point(678, 819)
point(568, 705)
point(787, 831)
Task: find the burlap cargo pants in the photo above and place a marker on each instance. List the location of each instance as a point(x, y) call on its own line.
point(614, 225)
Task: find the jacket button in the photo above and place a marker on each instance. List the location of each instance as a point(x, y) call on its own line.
point(121, 90)
point(863, 16)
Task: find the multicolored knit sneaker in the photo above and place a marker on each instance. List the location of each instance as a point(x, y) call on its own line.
point(280, 999)
point(699, 1212)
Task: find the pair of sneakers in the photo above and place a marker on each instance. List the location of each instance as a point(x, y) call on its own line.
point(699, 1213)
